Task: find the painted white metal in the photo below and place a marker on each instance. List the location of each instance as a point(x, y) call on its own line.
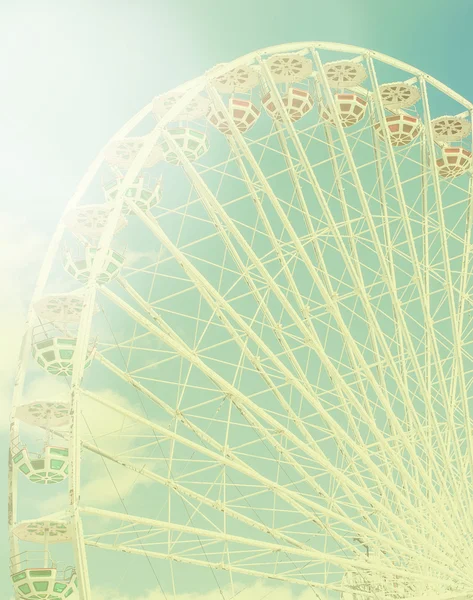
point(26, 341)
point(413, 255)
point(359, 564)
point(412, 511)
point(220, 565)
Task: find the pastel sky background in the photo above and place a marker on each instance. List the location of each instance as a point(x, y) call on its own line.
point(73, 72)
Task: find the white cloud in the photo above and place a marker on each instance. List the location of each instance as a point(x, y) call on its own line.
point(132, 257)
point(21, 248)
point(100, 491)
point(11, 324)
point(105, 424)
point(21, 245)
point(100, 425)
point(260, 590)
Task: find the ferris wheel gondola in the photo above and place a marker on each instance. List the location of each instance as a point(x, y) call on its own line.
point(279, 365)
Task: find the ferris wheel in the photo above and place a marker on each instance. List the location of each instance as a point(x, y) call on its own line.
point(249, 353)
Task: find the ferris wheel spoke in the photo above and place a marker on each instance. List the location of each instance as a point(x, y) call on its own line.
point(83, 335)
point(381, 186)
point(458, 360)
point(465, 271)
point(293, 497)
point(153, 315)
point(413, 255)
point(191, 495)
point(246, 403)
point(221, 564)
point(294, 316)
point(430, 323)
point(391, 262)
point(217, 565)
point(418, 280)
point(181, 261)
point(442, 338)
point(124, 538)
point(279, 387)
point(352, 241)
point(342, 248)
point(202, 499)
point(194, 429)
point(322, 265)
point(174, 413)
point(406, 335)
point(329, 217)
point(323, 286)
point(319, 255)
point(242, 324)
point(462, 292)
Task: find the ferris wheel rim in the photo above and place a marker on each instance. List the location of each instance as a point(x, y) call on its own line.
point(222, 69)
point(250, 57)
point(276, 49)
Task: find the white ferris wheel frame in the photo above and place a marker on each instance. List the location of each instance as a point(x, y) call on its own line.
point(188, 90)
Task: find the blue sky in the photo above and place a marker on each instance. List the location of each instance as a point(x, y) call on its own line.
point(73, 72)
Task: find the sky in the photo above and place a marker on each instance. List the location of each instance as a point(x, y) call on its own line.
point(73, 72)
